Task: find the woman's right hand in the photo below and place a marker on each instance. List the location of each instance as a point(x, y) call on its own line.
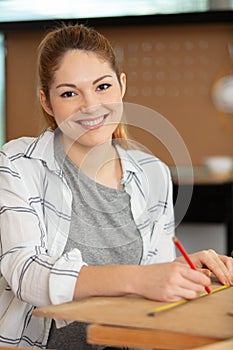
point(170, 282)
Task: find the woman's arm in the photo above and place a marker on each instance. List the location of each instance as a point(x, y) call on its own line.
point(35, 274)
point(164, 282)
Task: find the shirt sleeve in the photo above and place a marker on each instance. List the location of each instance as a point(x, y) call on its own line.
point(34, 276)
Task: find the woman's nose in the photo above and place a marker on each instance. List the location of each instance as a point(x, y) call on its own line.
point(90, 103)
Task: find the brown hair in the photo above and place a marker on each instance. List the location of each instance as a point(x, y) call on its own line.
point(72, 37)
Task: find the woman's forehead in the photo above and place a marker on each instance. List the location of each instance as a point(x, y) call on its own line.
point(82, 65)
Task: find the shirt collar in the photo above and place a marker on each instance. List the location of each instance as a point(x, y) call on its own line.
point(42, 148)
point(128, 162)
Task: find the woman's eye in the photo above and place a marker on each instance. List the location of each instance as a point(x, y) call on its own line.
point(68, 94)
point(103, 87)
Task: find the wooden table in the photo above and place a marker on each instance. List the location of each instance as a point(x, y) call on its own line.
point(124, 321)
point(222, 345)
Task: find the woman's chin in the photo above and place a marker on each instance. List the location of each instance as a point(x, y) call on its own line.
point(96, 137)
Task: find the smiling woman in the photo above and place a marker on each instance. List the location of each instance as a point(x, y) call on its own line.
point(82, 214)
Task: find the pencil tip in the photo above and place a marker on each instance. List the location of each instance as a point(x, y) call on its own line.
point(151, 314)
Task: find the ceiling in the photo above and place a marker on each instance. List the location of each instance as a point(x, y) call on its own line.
point(28, 10)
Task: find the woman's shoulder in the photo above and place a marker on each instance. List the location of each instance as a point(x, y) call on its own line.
point(146, 164)
point(21, 144)
point(18, 145)
point(145, 159)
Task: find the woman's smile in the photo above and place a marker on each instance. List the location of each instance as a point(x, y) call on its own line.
point(93, 123)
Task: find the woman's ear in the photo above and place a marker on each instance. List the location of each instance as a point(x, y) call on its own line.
point(45, 104)
point(123, 84)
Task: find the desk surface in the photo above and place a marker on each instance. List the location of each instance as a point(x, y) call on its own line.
point(208, 317)
point(223, 345)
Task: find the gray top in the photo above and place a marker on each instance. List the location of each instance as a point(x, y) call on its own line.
point(102, 228)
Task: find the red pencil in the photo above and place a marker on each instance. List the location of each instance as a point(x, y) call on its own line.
point(187, 258)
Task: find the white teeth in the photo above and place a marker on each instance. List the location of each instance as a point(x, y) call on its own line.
point(91, 122)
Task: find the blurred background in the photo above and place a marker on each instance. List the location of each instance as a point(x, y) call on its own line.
point(178, 57)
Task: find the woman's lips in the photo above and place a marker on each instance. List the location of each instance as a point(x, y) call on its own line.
point(94, 123)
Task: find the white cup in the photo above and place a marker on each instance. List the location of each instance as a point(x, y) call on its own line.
point(218, 164)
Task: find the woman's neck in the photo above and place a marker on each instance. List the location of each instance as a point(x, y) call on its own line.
point(101, 163)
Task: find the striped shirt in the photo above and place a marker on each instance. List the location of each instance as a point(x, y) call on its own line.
point(35, 215)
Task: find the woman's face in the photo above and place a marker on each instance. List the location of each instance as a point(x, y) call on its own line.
point(85, 98)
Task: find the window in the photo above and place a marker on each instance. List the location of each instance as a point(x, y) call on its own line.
point(24, 10)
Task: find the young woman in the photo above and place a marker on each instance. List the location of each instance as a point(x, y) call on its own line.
point(82, 214)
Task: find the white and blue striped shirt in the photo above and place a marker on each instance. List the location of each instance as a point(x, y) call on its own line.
point(35, 215)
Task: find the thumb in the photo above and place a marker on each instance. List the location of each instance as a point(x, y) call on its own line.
point(206, 272)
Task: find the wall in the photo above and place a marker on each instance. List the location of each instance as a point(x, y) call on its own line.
point(202, 236)
point(170, 69)
point(22, 108)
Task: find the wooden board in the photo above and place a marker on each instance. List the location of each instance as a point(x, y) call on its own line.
point(207, 316)
point(222, 345)
point(144, 338)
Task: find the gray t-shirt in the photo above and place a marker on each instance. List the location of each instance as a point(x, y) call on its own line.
point(102, 228)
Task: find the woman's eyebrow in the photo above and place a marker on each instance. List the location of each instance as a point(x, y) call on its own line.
point(104, 76)
point(66, 85)
point(75, 87)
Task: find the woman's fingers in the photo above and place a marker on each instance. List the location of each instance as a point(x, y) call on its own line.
point(220, 265)
point(196, 280)
point(190, 283)
point(228, 263)
point(205, 271)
